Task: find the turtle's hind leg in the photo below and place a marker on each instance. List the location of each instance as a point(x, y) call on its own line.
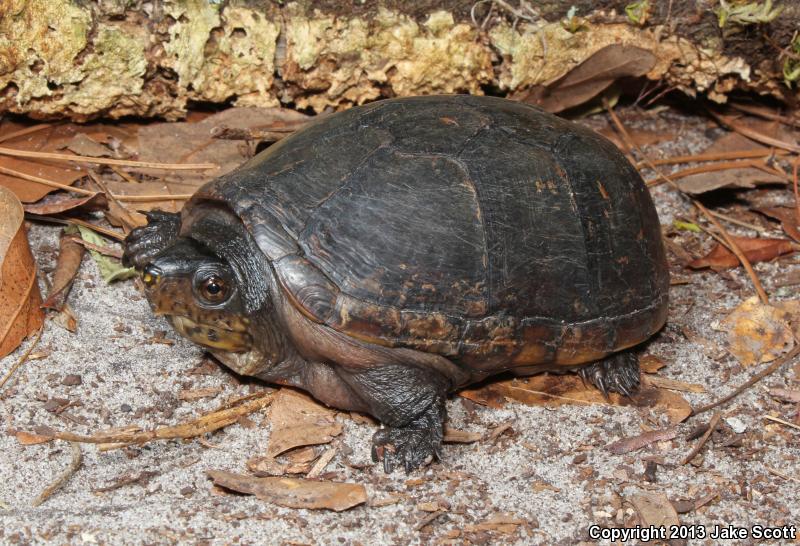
point(617, 373)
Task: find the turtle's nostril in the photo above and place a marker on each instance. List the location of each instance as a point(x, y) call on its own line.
point(150, 275)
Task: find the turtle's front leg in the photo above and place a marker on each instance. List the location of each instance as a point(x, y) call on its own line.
point(410, 401)
point(145, 243)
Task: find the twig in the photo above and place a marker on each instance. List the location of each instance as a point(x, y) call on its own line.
point(713, 167)
point(796, 193)
point(711, 426)
point(25, 131)
point(782, 475)
point(74, 465)
point(719, 156)
point(113, 252)
point(542, 393)
point(128, 178)
point(762, 295)
point(428, 519)
point(781, 421)
point(750, 382)
point(106, 161)
point(154, 197)
point(24, 357)
point(767, 115)
point(202, 425)
point(752, 134)
point(78, 222)
point(732, 220)
point(44, 181)
point(126, 217)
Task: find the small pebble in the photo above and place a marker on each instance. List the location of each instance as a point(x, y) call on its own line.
point(71, 380)
point(125, 408)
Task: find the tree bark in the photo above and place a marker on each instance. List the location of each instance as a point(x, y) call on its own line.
point(84, 59)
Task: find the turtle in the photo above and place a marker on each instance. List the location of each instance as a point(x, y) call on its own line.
point(388, 255)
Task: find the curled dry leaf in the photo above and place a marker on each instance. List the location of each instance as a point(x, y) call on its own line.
point(294, 492)
point(591, 77)
point(49, 139)
point(633, 443)
point(70, 256)
point(60, 202)
point(556, 390)
point(758, 332)
point(651, 363)
point(787, 216)
point(194, 142)
point(654, 509)
point(755, 249)
point(20, 300)
point(297, 420)
point(744, 177)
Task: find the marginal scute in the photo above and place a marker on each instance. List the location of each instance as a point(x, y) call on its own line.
point(309, 290)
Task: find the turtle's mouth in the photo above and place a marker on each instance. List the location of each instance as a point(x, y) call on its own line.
point(236, 341)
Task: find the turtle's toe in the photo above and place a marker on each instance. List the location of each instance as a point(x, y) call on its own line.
point(616, 373)
point(144, 243)
point(409, 447)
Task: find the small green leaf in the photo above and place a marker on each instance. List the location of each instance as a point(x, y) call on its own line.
point(110, 269)
point(638, 12)
point(686, 226)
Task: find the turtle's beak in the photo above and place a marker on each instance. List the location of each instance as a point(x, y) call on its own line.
point(211, 336)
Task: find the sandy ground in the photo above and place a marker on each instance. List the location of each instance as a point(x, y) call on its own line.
point(550, 469)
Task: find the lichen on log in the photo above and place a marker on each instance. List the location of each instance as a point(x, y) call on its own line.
point(80, 60)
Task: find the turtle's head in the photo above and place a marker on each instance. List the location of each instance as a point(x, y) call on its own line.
point(210, 282)
point(198, 293)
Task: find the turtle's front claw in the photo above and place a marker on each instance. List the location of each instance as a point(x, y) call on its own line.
point(145, 243)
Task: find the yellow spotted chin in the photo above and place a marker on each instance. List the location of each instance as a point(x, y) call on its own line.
point(212, 336)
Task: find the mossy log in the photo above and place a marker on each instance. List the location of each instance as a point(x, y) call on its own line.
point(82, 59)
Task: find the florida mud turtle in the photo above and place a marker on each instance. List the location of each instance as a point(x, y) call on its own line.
point(387, 255)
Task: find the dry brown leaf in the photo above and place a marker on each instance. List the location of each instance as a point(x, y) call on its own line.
point(20, 300)
point(506, 525)
point(651, 363)
point(747, 177)
point(758, 332)
point(658, 382)
point(50, 139)
point(57, 203)
point(755, 249)
point(297, 420)
point(83, 144)
point(197, 394)
point(591, 77)
point(70, 256)
point(193, 142)
point(786, 395)
point(294, 492)
point(639, 137)
point(654, 509)
point(266, 466)
point(787, 216)
point(633, 443)
point(455, 436)
point(556, 390)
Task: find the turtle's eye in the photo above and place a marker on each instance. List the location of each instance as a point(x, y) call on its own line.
point(150, 275)
point(214, 289)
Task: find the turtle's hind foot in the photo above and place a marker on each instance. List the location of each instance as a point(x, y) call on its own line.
point(617, 373)
point(411, 446)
